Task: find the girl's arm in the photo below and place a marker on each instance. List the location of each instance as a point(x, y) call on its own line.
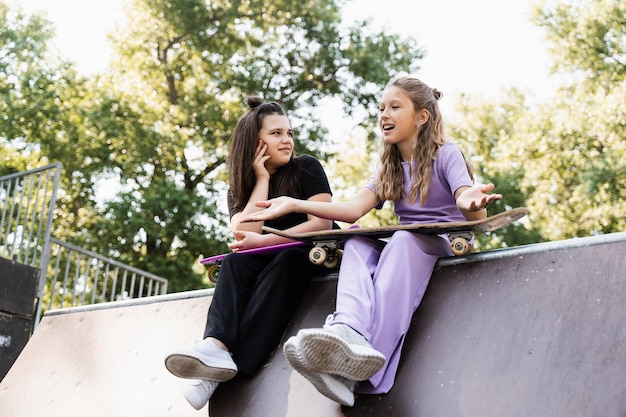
point(348, 212)
point(249, 240)
point(259, 193)
point(473, 201)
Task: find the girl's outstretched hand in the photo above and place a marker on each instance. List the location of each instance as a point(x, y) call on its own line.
point(274, 208)
point(477, 198)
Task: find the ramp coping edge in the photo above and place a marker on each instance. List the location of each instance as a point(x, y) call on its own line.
point(453, 260)
point(134, 302)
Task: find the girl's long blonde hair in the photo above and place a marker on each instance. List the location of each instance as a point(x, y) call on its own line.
point(430, 137)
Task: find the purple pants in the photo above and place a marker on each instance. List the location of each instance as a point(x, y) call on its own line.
point(380, 288)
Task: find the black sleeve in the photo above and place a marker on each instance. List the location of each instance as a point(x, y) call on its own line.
point(230, 199)
point(313, 177)
point(313, 180)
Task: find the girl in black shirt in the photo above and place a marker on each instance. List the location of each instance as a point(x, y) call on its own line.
point(255, 295)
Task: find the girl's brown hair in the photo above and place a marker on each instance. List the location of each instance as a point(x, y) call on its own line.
point(243, 144)
point(430, 137)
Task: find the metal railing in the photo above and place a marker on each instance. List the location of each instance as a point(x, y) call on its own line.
point(69, 276)
point(27, 201)
point(78, 277)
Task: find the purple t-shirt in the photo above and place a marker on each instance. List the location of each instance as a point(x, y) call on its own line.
point(449, 173)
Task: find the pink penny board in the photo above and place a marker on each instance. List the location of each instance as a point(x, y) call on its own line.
point(266, 250)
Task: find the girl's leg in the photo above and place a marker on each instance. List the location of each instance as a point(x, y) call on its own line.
point(273, 300)
point(237, 278)
point(355, 288)
point(341, 347)
point(400, 280)
point(205, 359)
point(253, 300)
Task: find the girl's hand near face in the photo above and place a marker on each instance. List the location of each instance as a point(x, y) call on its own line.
point(260, 191)
point(260, 157)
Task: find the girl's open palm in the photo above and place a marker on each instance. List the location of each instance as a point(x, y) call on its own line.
point(274, 208)
point(476, 197)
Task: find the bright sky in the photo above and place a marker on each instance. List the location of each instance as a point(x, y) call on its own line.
point(474, 46)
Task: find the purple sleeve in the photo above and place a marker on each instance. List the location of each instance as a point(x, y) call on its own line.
point(371, 185)
point(452, 163)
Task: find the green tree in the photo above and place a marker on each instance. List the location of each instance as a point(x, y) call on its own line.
point(586, 123)
point(564, 158)
point(586, 39)
point(493, 136)
point(158, 123)
point(21, 50)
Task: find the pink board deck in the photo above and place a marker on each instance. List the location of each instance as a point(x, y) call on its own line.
point(266, 250)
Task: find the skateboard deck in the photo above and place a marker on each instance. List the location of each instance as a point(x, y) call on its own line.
point(460, 234)
point(213, 262)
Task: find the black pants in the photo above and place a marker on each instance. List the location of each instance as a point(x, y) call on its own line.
point(254, 300)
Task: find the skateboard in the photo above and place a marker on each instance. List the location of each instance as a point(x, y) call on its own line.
point(327, 243)
point(213, 262)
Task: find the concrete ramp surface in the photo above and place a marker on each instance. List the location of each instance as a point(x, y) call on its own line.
point(530, 331)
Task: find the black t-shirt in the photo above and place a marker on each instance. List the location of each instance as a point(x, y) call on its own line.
point(312, 179)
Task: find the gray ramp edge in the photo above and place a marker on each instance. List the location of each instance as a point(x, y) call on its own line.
point(134, 302)
point(536, 248)
point(476, 257)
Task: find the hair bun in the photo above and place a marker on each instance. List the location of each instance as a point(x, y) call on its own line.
point(438, 94)
point(254, 101)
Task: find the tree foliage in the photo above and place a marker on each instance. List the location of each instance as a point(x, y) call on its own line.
point(492, 137)
point(144, 145)
point(586, 39)
point(564, 158)
point(581, 135)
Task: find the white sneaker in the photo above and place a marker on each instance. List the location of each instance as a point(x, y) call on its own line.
point(197, 392)
point(204, 360)
point(336, 388)
point(339, 350)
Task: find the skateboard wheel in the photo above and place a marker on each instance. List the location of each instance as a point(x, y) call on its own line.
point(336, 260)
point(317, 255)
point(460, 246)
point(332, 264)
point(213, 273)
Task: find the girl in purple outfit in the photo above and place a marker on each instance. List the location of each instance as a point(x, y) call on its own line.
point(380, 286)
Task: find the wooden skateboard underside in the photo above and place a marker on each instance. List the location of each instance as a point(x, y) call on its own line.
point(327, 243)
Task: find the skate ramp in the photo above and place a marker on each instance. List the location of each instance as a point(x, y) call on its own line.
point(531, 331)
point(105, 360)
point(535, 330)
